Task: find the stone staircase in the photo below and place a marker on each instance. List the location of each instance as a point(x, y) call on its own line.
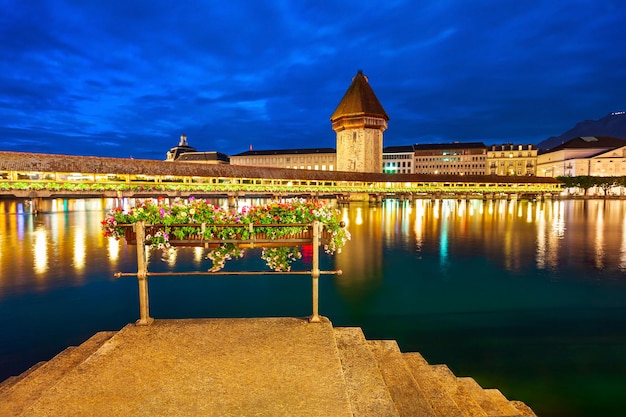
point(281, 367)
point(406, 385)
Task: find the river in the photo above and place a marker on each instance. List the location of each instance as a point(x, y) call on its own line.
point(528, 297)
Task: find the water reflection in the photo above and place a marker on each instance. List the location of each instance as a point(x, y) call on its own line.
point(361, 260)
point(622, 259)
point(40, 250)
point(529, 282)
point(514, 234)
point(113, 249)
point(599, 238)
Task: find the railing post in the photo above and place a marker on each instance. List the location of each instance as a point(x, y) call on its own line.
point(142, 275)
point(315, 271)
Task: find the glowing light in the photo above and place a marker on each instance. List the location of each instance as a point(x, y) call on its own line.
point(41, 250)
point(599, 242)
point(541, 243)
point(198, 255)
point(359, 216)
point(344, 216)
point(446, 209)
point(79, 248)
point(113, 247)
point(418, 226)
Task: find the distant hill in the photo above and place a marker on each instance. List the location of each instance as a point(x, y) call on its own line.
point(613, 124)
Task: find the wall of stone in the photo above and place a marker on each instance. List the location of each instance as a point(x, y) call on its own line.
point(360, 150)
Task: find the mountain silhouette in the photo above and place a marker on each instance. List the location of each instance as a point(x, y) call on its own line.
point(613, 124)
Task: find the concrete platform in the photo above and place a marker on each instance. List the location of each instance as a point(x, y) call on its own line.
point(239, 367)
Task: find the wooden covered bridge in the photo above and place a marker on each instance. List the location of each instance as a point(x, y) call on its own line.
point(34, 175)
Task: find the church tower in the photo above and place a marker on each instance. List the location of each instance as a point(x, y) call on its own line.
point(359, 121)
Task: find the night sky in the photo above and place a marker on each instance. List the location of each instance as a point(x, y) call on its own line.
point(126, 78)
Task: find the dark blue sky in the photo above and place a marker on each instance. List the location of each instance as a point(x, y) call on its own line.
point(122, 78)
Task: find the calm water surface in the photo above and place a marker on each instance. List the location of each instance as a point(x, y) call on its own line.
point(528, 297)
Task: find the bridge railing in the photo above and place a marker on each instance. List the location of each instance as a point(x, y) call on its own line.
point(313, 234)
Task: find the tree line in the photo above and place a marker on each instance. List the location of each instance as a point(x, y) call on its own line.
point(585, 182)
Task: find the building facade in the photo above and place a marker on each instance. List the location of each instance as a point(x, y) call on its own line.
point(318, 159)
point(509, 159)
point(398, 160)
point(598, 156)
point(456, 158)
point(359, 122)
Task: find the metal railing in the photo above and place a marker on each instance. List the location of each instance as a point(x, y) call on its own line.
point(142, 273)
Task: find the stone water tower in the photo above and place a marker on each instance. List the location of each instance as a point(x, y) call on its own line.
point(359, 121)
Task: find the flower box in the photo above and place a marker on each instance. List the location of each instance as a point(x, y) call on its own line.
point(257, 240)
point(278, 228)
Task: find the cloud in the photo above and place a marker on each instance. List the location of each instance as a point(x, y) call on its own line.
point(140, 73)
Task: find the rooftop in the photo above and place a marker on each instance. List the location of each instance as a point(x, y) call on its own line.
point(26, 162)
point(589, 142)
point(299, 151)
point(453, 145)
point(358, 100)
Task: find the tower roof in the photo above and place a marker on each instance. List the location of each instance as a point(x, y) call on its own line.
point(359, 100)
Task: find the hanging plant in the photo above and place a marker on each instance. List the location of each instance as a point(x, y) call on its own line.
point(280, 258)
point(225, 252)
point(181, 221)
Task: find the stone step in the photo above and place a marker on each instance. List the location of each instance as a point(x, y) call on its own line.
point(437, 393)
point(491, 400)
point(524, 410)
point(366, 387)
point(12, 380)
point(464, 399)
point(265, 367)
point(28, 387)
point(407, 395)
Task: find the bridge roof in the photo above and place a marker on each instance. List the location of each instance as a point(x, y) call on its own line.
point(36, 162)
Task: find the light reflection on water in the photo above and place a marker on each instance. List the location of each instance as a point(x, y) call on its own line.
point(420, 272)
point(513, 233)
